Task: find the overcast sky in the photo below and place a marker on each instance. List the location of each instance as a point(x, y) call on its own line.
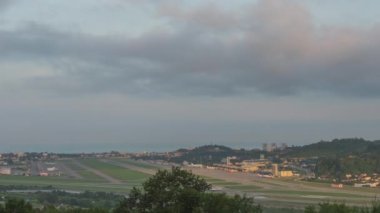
point(136, 75)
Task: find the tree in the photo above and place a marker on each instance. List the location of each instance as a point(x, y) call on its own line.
point(166, 190)
point(342, 208)
point(181, 191)
point(18, 206)
point(222, 203)
point(310, 209)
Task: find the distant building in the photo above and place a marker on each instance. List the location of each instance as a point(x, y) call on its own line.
point(253, 165)
point(337, 185)
point(44, 174)
point(51, 169)
point(283, 146)
point(20, 154)
point(229, 160)
point(371, 185)
point(196, 165)
point(286, 173)
point(5, 171)
point(366, 178)
point(275, 170)
point(216, 188)
point(265, 146)
point(211, 167)
point(269, 147)
point(273, 146)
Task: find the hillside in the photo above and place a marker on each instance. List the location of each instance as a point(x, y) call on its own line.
point(209, 154)
point(335, 157)
point(323, 149)
point(342, 156)
point(334, 148)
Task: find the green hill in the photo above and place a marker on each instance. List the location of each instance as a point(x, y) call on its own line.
point(334, 148)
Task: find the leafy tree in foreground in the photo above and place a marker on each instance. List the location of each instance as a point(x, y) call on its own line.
point(180, 191)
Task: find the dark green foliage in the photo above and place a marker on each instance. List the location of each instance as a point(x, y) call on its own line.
point(267, 209)
point(374, 147)
point(334, 148)
point(221, 203)
point(24, 187)
point(207, 155)
point(353, 164)
point(179, 191)
point(329, 167)
point(17, 206)
point(342, 156)
point(95, 210)
point(310, 209)
point(83, 200)
point(210, 154)
point(336, 208)
point(342, 208)
point(14, 205)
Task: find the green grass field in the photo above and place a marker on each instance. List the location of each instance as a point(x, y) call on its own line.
point(115, 171)
point(64, 183)
point(244, 188)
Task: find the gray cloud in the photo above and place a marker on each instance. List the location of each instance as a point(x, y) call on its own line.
point(211, 16)
point(4, 3)
point(273, 47)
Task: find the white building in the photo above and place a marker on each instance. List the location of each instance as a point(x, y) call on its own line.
point(5, 171)
point(371, 185)
point(51, 169)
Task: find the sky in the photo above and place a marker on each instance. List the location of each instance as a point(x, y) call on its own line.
point(157, 75)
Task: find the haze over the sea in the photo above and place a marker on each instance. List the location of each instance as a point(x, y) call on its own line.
point(144, 75)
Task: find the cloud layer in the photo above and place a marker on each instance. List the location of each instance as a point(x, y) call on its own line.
point(270, 47)
point(4, 3)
